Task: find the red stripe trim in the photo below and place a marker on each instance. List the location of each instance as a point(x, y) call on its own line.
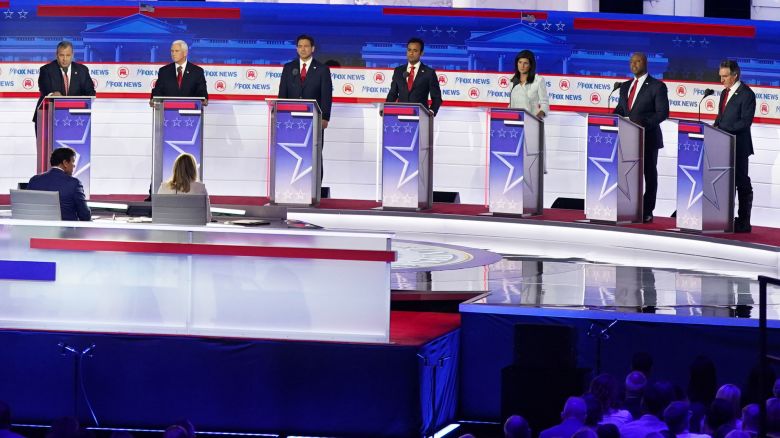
point(179, 105)
point(680, 28)
point(5, 4)
point(685, 127)
point(292, 107)
point(205, 249)
point(466, 13)
point(504, 115)
point(75, 104)
point(399, 111)
point(124, 11)
point(600, 120)
point(5, 199)
point(693, 115)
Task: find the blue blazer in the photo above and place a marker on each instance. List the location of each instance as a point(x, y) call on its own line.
point(651, 107)
point(318, 84)
point(73, 203)
point(738, 117)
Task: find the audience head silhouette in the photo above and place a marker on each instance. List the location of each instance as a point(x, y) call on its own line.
point(516, 427)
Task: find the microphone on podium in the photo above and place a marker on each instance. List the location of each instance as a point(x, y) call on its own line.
point(707, 92)
point(615, 87)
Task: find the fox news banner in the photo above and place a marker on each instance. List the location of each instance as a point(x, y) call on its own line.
point(245, 82)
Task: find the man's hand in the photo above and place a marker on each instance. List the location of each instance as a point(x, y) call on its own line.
point(55, 93)
point(151, 103)
point(205, 102)
point(540, 114)
point(324, 124)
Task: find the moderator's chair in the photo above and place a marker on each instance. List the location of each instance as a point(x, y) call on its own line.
point(179, 209)
point(36, 205)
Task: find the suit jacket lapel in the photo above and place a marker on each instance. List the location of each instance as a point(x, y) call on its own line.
point(57, 79)
point(641, 91)
point(417, 75)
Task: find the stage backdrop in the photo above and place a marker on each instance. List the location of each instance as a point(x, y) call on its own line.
point(242, 45)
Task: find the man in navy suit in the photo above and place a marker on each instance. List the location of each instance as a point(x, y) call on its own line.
point(735, 115)
point(415, 81)
point(180, 78)
point(645, 101)
point(63, 77)
point(73, 204)
point(307, 78)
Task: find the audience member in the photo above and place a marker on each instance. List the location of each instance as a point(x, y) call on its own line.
point(516, 427)
point(635, 385)
point(753, 392)
point(573, 416)
point(750, 418)
point(677, 418)
point(5, 422)
point(718, 415)
point(593, 412)
point(605, 387)
point(733, 395)
point(187, 425)
point(175, 431)
point(607, 430)
point(702, 385)
point(773, 416)
point(738, 434)
point(585, 432)
point(655, 399)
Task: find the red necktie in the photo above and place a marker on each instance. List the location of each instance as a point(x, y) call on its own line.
point(724, 99)
point(65, 79)
point(303, 72)
point(631, 94)
point(179, 76)
point(410, 79)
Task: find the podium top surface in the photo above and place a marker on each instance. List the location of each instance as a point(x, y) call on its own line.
point(161, 98)
point(514, 110)
point(276, 100)
point(50, 97)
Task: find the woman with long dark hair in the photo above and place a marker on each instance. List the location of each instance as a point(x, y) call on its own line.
point(529, 90)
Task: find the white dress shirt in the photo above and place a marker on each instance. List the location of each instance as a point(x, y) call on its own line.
point(732, 90)
point(531, 97)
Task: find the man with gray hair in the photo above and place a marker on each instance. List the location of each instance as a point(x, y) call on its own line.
point(573, 419)
point(63, 77)
point(180, 78)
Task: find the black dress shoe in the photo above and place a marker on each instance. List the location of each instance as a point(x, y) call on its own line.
point(648, 218)
point(742, 226)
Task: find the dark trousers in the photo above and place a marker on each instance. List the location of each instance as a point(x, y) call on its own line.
point(651, 179)
point(741, 178)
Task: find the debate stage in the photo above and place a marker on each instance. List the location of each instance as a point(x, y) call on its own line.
point(698, 290)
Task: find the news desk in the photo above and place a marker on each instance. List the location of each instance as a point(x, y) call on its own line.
point(214, 280)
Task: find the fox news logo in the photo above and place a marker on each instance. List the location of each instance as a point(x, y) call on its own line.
point(123, 72)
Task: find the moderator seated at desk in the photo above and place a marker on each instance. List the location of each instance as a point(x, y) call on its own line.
point(185, 181)
point(73, 203)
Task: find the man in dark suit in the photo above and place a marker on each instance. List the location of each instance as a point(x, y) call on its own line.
point(63, 77)
point(735, 116)
point(645, 101)
point(307, 78)
point(73, 204)
point(180, 78)
point(415, 81)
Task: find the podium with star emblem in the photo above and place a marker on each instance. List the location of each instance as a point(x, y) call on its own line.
point(66, 121)
point(407, 156)
point(295, 150)
point(705, 178)
point(515, 172)
point(614, 174)
point(177, 129)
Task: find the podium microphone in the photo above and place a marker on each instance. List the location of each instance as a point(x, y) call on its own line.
point(615, 87)
point(707, 92)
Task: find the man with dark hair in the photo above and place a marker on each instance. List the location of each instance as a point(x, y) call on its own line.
point(735, 115)
point(180, 78)
point(645, 101)
point(655, 399)
point(307, 78)
point(5, 422)
point(415, 81)
point(63, 77)
point(73, 204)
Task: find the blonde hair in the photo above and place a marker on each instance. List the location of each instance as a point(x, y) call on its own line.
point(185, 172)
